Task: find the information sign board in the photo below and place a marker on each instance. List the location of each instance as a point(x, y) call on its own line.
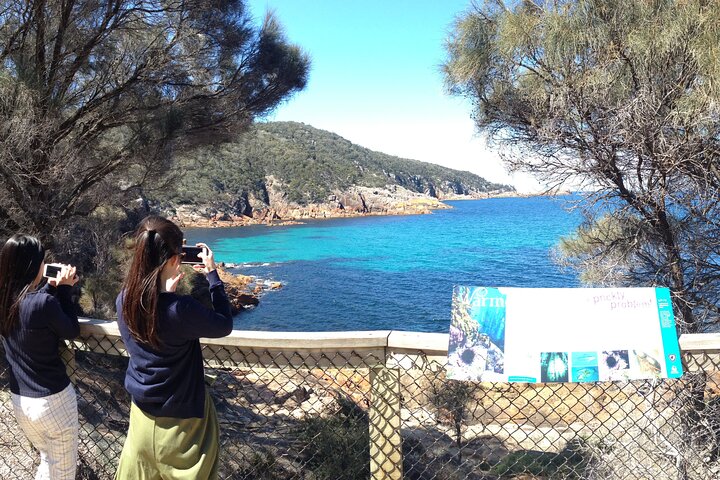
point(562, 334)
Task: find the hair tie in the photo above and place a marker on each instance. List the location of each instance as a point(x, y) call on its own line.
point(151, 240)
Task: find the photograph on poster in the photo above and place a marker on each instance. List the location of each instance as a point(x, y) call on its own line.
point(477, 343)
point(615, 365)
point(584, 367)
point(554, 367)
point(648, 364)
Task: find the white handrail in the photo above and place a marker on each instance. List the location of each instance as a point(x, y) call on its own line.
point(437, 343)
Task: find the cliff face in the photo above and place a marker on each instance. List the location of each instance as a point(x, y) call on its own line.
point(287, 170)
point(356, 201)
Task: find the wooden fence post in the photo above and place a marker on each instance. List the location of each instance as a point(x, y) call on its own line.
point(67, 354)
point(386, 460)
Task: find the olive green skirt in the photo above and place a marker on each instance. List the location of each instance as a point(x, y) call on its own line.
point(166, 448)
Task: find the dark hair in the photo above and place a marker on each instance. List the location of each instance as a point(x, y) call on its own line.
point(20, 261)
point(157, 240)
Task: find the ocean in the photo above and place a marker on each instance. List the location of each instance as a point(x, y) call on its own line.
point(394, 272)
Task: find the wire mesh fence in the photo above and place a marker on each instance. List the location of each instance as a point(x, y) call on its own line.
point(381, 412)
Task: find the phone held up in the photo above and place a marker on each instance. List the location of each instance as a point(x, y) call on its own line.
point(52, 270)
point(191, 255)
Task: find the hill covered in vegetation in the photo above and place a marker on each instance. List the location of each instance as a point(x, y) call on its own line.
point(292, 170)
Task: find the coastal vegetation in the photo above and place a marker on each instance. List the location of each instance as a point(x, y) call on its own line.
point(97, 99)
point(619, 99)
point(276, 164)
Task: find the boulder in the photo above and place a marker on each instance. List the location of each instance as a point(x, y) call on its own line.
point(241, 205)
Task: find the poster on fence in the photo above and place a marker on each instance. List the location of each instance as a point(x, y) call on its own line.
point(562, 334)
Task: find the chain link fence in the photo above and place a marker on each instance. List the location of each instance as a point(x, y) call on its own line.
point(377, 405)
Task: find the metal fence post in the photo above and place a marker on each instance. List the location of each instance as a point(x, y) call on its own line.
point(386, 460)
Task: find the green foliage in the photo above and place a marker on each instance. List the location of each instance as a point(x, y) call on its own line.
point(453, 398)
point(310, 164)
point(621, 98)
point(102, 258)
point(338, 447)
point(529, 58)
point(262, 465)
point(568, 464)
point(601, 250)
point(99, 290)
point(97, 98)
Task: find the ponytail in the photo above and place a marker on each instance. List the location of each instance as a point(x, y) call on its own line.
point(157, 240)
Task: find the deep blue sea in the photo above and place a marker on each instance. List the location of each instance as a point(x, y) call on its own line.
point(394, 272)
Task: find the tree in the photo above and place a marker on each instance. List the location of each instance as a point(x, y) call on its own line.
point(622, 98)
point(97, 97)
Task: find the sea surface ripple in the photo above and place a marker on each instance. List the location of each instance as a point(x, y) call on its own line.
point(395, 272)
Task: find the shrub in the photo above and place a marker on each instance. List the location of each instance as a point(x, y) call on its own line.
point(337, 447)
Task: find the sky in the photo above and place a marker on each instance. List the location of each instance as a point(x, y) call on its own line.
point(376, 80)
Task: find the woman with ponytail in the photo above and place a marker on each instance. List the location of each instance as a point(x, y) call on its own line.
point(33, 321)
point(173, 430)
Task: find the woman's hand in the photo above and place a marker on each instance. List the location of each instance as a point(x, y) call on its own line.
point(172, 283)
point(208, 258)
point(67, 276)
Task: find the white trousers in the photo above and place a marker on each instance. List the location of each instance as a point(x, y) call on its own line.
point(51, 425)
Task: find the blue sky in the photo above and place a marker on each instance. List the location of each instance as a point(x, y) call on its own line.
point(376, 80)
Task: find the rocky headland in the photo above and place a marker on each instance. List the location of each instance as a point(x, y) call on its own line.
point(287, 172)
point(354, 202)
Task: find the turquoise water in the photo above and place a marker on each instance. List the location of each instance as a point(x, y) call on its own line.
point(394, 272)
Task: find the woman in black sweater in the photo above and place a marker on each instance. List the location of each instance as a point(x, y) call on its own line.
point(32, 323)
point(173, 430)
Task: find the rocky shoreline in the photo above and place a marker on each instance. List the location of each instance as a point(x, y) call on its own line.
point(358, 202)
point(244, 291)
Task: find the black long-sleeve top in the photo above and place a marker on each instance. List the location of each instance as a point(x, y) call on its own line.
point(32, 350)
point(168, 381)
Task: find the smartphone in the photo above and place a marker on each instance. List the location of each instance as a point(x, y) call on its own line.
point(191, 255)
point(52, 270)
